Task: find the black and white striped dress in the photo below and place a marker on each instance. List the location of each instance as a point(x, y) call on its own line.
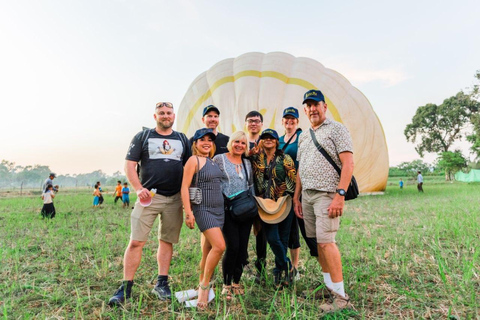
point(210, 213)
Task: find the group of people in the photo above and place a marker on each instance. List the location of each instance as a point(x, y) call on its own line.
point(287, 171)
point(48, 194)
point(122, 193)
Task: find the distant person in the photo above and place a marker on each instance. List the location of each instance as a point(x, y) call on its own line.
point(419, 181)
point(210, 118)
point(401, 183)
point(118, 191)
point(162, 153)
point(48, 210)
point(49, 181)
point(100, 199)
point(209, 215)
point(322, 192)
point(126, 195)
point(96, 196)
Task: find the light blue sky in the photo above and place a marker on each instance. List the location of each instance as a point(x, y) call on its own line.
point(79, 78)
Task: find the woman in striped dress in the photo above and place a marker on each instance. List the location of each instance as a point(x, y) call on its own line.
point(200, 171)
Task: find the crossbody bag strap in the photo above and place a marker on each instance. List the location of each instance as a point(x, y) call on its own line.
point(325, 154)
point(246, 172)
point(290, 140)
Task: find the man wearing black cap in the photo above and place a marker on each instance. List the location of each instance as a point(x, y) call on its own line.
point(210, 118)
point(323, 192)
point(162, 153)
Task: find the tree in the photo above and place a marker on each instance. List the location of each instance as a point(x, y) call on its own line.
point(411, 168)
point(474, 138)
point(451, 162)
point(439, 126)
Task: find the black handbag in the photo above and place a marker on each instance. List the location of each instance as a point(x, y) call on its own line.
point(243, 206)
point(352, 191)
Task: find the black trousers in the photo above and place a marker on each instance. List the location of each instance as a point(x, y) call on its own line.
point(261, 248)
point(294, 241)
point(236, 236)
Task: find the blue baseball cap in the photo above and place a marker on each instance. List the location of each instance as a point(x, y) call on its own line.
point(290, 111)
point(200, 133)
point(269, 132)
point(209, 108)
point(315, 95)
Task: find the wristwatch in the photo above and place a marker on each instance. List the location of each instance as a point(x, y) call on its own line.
point(341, 192)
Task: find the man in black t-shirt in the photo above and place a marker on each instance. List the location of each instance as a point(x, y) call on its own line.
point(162, 153)
point(210, 118)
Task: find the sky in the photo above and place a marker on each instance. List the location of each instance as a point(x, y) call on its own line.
point(78, 79)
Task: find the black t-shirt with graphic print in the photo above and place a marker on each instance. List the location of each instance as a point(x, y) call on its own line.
point(162, 159)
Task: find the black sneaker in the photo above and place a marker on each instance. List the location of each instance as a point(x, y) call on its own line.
point(123, 293)
point(162, 290)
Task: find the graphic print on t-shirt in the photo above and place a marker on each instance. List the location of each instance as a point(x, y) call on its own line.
point(168, 149)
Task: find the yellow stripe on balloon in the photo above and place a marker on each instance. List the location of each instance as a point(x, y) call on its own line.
point(259, 74)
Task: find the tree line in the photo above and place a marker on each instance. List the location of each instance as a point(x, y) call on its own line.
point(33, 176)
point(435, 128)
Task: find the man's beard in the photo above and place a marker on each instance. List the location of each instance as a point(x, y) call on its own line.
point(165, 124)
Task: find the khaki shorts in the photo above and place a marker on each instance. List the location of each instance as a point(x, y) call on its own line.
point(171, 218)
point(315, 215)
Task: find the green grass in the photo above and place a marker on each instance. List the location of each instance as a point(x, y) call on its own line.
point(406, 256)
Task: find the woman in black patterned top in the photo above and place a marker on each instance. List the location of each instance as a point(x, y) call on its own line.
point(274, 177)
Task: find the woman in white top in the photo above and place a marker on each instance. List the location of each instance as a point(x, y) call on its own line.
point(48, 210)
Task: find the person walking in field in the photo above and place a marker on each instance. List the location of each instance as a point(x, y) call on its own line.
point(49, 181)
point(322, 193)
point(419, 181)
point(162, 153)
point(126, 195)
point(96, 196)
point(100, 199)
point(48, 209)
point(118, 191)
point(209, 214)
point(401, 183)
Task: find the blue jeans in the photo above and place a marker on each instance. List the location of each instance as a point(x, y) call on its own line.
point(277, 237)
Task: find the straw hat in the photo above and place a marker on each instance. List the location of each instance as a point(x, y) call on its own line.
point(273, 212)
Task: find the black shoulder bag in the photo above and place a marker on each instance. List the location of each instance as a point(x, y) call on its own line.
point(352, 191)
point(243, 206)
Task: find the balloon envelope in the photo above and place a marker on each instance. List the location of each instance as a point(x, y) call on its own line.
point(271, 82)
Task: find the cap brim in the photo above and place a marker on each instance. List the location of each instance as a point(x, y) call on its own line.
point(212, 109)
point(267, 135)
point(211, 134)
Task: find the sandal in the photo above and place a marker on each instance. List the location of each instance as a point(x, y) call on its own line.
point(227, 292)
point(202, 306)
point(238, 289)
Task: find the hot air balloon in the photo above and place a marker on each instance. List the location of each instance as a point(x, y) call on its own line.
point(271, 82)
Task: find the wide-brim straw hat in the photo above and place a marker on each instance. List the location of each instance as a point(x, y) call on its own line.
point(273, 212)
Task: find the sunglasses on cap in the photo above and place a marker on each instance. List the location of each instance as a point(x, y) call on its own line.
point(164, 104)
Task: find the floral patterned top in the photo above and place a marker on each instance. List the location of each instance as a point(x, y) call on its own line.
point(316, 173)
point(283, 175)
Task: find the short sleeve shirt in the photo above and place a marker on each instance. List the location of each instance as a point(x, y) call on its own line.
point(316, 173)
point(162, 159)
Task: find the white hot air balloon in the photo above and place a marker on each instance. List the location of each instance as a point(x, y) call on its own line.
point(271, 82)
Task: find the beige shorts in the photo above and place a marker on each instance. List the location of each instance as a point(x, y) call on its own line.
point(171, 218)
point(315, 215)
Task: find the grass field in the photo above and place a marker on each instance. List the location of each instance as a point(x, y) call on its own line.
point(406, 256)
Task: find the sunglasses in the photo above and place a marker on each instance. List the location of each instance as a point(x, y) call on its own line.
point(164, 104)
